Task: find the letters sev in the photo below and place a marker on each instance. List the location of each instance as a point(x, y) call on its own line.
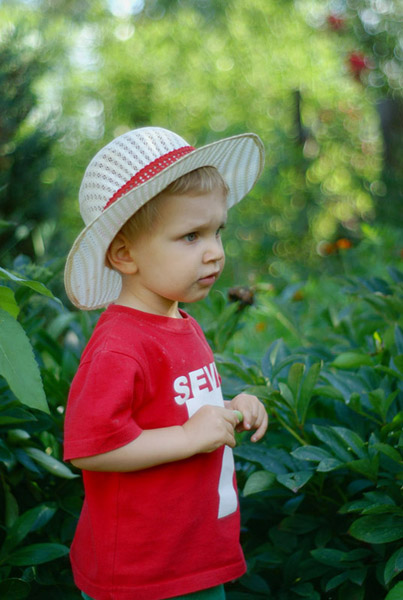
point(155, 533)
point(196, 382)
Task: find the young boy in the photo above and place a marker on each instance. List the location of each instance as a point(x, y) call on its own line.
point(145, 419)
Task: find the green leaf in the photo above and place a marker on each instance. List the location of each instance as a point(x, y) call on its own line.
point(312, 453)
point(14, 589)
point(294, 378)
point(7, 301)
point(17, 414)
point(377, 509)
point(398, 360)
point(358, 576)
point(395, 425)
point(264, 457)
point(366, 466)
point(287, 395)
point(36, 554)
point(381, 404)
point(389, 371)
point(329, 556)
point(280, 365)
point(29, 521)
point(377, 529)
point(389, 451)
point(5, 224)
point(5, 453)
point(351, 360)
point(329, 464)
point(307, 391)
point(49, 463)
point(353, 441)
point(396, 593)
point(354, 506)
point(258, 482)
point(236, 369)
point(357, 554)
point(300, 524)
point(37, 286)
point(334, 582)
point(256, 584)
point(328, 391)
point(17, 358)
point(295, 481)
point(394, 566)
point(333, 441)
point(11, 506)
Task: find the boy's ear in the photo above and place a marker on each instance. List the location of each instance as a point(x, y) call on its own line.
point(121, 256)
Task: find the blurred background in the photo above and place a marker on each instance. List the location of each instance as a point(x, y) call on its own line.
point(319, 81)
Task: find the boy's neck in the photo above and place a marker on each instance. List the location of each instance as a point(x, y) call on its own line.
point(168, 309)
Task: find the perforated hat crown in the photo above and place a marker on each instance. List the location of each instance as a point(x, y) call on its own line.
point(123, 176)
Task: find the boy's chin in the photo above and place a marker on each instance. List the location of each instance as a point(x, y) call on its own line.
point(200, 295)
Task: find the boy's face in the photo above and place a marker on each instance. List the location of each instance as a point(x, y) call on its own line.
point(182, 256)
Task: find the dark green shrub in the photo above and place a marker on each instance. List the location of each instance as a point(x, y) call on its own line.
point(321, 495)
point(40, 344)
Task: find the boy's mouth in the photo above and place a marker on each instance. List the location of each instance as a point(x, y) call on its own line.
point(209, 279)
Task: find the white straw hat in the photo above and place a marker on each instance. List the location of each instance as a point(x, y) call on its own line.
point(123, 176)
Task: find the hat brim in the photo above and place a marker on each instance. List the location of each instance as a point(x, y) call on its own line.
point(89, 283)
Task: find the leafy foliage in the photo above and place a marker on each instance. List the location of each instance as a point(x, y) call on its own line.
point(40, 344)
point(321, 496)
point(319, 81)
point(29, 205)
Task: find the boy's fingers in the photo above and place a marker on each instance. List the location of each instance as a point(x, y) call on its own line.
point(259, 433)
point(249, 419)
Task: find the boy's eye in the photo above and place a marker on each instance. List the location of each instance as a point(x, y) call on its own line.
point(190, 237)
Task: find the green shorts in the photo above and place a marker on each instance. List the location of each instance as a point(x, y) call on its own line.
point(215, 593)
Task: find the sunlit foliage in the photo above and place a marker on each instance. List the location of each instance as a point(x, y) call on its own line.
point(312, 78)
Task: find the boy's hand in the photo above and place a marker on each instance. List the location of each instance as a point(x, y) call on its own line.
point(254, 414)
point(211, 427)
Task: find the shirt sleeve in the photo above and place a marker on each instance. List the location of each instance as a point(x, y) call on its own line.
point(99, 414)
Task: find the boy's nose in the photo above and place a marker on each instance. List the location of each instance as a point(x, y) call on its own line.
point(215, 251)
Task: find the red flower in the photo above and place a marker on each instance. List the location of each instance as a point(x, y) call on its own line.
point(336, 23)
point(358, 62)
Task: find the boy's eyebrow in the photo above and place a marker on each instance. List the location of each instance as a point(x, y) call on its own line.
point(201, 224)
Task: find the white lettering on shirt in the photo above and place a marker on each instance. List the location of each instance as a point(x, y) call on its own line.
point(180, 386)
point(196, 382)
point(196, 389)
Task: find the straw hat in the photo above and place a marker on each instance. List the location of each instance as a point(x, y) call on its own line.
point(123, 176)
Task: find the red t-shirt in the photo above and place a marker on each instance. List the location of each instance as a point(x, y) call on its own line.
point(171, 529)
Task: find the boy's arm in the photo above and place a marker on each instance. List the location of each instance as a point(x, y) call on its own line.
point(208, 429)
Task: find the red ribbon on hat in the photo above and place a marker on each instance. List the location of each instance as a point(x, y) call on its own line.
point(149, 171)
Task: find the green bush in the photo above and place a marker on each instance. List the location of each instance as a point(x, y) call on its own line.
point(40, 344)
point(321, 495)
